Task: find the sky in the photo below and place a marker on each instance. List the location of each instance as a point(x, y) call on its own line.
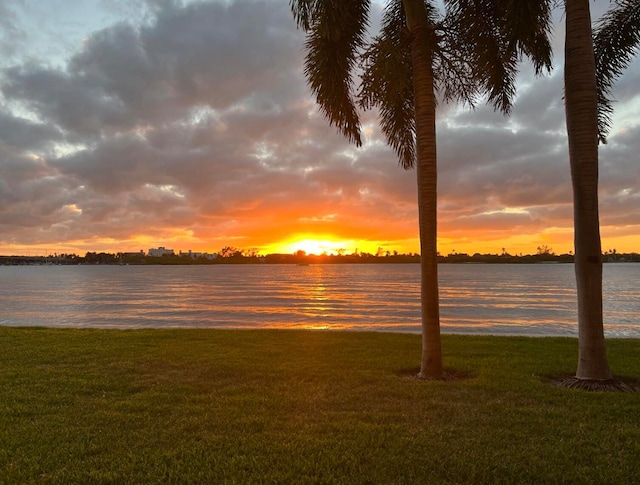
point(132, 124)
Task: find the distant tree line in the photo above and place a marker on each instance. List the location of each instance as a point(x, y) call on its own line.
point(230, 255)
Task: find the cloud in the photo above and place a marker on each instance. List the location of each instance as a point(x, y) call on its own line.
point(209, 54)
point(24, 134)
point(12, 36)
point(191, 124)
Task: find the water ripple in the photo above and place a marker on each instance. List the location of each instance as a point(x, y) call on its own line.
point(498, 299)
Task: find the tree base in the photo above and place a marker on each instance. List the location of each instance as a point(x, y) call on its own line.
point(595, 385)
point(445, 376)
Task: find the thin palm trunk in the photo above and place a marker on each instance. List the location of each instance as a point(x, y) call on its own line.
point(425, 116)
point(582, 130)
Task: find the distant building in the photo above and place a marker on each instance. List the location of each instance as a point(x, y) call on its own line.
point(130, 255)
point(196, 255)
point(161, 251)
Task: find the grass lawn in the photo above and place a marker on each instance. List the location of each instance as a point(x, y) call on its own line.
point(224, 406)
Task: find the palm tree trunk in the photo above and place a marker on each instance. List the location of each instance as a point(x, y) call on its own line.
point(582, 130)
point(425, 115)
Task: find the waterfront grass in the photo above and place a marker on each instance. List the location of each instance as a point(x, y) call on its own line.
point(266, 406)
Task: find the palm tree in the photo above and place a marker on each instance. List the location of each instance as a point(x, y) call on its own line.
point(582, 96)
point(581, 110)
point(471, 50)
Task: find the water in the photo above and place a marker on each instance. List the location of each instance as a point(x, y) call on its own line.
point(494, 299)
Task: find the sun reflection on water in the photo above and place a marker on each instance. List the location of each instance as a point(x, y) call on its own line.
point(503, 299)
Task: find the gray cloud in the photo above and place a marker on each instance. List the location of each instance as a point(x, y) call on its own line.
point(196, 119)
point(24, 134)
point(203, 54)
point(12, 36)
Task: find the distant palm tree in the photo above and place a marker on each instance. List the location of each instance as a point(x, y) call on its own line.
point(617, 38)
point(472, 49)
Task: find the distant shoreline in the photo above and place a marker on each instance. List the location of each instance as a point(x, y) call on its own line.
point(300, 260)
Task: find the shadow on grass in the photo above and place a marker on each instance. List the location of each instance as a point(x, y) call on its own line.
point(617, 384)
point(448, 375)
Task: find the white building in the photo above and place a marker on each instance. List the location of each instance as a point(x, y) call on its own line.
point(161, 251)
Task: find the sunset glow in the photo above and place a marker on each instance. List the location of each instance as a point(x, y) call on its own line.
point(123, 133)
point(313, 246)
point(322, 246)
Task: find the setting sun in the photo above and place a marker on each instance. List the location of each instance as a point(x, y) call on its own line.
point(321, 245)
point(314, 246)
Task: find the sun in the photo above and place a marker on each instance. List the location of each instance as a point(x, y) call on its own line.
point(315, 246)
point(321, 244)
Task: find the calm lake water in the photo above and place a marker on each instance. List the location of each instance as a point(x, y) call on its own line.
point(537, 299)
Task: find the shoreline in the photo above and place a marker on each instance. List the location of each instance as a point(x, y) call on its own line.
point(309, 330)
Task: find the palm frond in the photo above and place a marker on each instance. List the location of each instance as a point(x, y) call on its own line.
point(616, 41)
point(491, 36)
point(304, 12)
point(387, 83)
point(473, 33)
point(453, 68)
point(527, 25)
point(335, 36)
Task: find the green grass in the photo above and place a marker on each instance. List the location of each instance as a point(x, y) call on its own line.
point(217, 406)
